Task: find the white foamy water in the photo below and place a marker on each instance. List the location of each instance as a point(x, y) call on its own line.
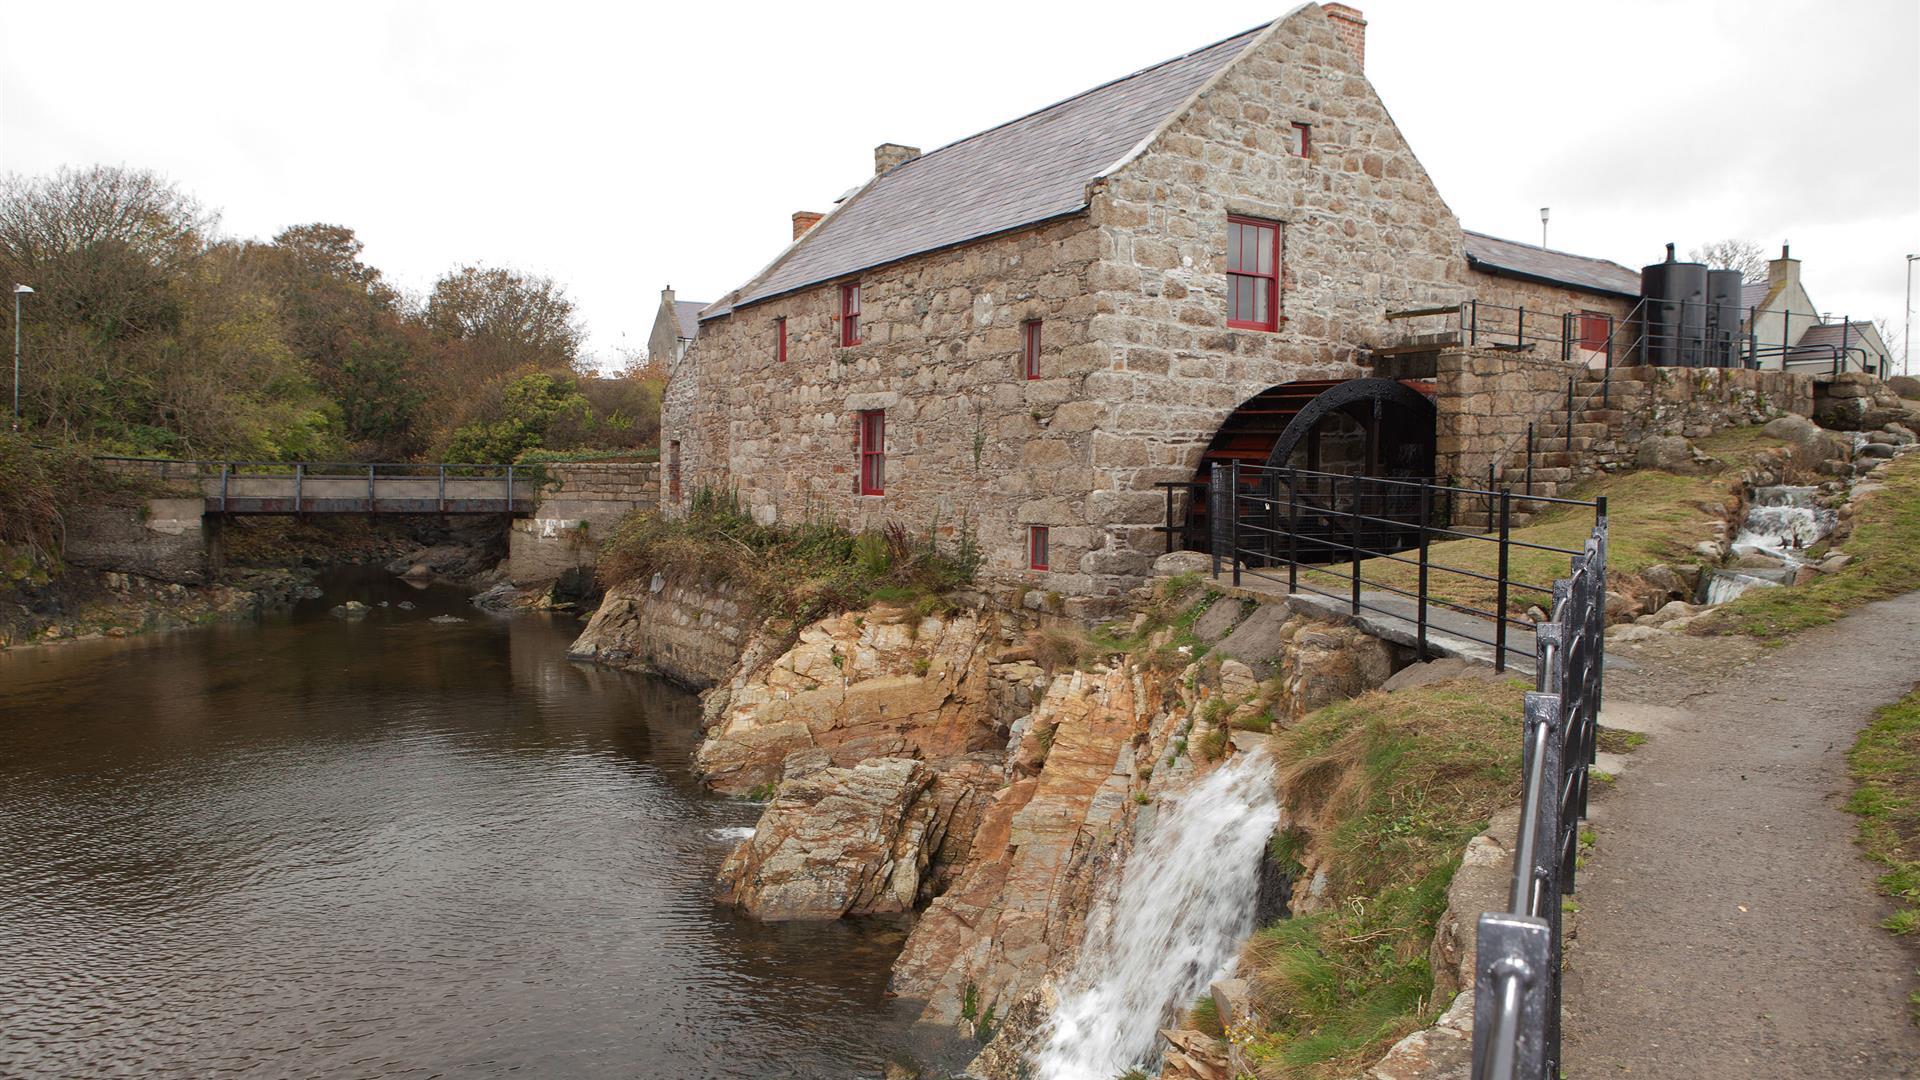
point(732, 833)
point(1184, 906)
point(1781, 522)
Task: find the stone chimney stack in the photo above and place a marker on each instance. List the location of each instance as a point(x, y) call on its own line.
point(1784, 270)
point(1351, 28)
point(804, 220)
point(889, 155)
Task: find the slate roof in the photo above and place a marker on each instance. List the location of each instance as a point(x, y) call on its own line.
point(687, 314)
point(1497, 256)
point(1825, 334)
point(1753, 294)
point(1020, 173)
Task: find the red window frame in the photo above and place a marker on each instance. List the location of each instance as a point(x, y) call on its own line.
point(1030, 348)
point(1037, 543)
point(850, 314)
point(1305, 134)
point(873, 452)
point(1254, 252)
point(1595, 329)
point(780, 340)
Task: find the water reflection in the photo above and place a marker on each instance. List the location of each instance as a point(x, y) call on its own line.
point(389, 847)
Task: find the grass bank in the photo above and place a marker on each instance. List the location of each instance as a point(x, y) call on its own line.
point(1391, 787)
point(1885, 546)
point(1653, 517)
point(1885, 762)
point(801, 572)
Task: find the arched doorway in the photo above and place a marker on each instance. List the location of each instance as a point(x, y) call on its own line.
point(1325, 429)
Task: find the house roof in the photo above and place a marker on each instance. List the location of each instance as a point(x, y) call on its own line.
point(687, 314)
point(1497, 256)
point(1754, 294)
point(1020, 173)
point(1821, 335)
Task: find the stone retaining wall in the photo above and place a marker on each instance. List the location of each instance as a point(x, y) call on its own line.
point(162, 539)
point(688, 630)
point(579, 506)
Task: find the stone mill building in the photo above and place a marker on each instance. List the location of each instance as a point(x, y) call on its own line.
point(1024, 332)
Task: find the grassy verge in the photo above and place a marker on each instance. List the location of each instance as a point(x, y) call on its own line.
point(1885, 546)
point(800, 572)
point(1654, 517)
point(1398, 783)
point(1885, 761)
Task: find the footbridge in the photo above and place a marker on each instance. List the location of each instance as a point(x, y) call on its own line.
point(301, 488)
point(554, 514)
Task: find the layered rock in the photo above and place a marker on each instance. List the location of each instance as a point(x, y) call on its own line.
point(864, 685)
point(691, 631)
point(1017, 910)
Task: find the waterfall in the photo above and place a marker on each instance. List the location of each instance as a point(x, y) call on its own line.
point(1185, 904)
point(1780, 523)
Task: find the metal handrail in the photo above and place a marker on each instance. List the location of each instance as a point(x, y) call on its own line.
point(1251, 530)
point(1516, 1021)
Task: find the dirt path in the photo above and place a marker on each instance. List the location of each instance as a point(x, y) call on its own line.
point(1728, 926)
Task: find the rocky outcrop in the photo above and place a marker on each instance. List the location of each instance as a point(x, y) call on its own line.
point(1855, 401)
point(1016, 912)
point(878, 683)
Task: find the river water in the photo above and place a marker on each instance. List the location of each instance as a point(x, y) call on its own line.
point(390, 847)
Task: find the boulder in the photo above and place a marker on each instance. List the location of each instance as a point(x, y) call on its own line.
point(836, 842)
point(1174, 563)
point(1809, 444)
point(1445, 669)
point(1668, 453)
point(352, 609)
point(1905, 386)
point(1678, 609)
point(1668, 581)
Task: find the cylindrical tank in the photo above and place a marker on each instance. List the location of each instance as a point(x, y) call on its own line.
point(1676, 312)
point(1724, 315)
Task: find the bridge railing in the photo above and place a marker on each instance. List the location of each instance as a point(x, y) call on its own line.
point(1364, 540)
point(1516, 1006)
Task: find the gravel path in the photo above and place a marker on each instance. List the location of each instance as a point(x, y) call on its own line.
point(1728, 926)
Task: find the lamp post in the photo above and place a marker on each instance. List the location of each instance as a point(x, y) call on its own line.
point(1906, 346)
point(18, 291)
point(1543, 225)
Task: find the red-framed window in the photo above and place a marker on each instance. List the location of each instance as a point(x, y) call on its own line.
point(873, 452)
point(1036, 547)
point(1595, 328)
point(1253, 274)
point(1030, 348)
point(780, 340)
point(850, 314)
point(673, 471)
point(1303, 139)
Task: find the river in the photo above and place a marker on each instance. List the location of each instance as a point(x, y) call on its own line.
point(390, 847)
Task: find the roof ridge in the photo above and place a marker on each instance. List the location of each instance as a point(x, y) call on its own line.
point(1541, 247)
point(1096, 88)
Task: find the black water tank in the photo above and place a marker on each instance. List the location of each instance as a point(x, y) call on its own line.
point(1675, 320)
point(1724, 315)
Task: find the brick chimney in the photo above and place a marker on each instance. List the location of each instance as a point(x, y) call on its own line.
point(1784, 270)
point(804, 220)
point(889, 155)
point(1351, 28)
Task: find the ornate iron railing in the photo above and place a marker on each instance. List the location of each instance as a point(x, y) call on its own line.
point(1516, 1007)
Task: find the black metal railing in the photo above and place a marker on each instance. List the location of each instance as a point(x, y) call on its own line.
point(1516, 1005)
point(1307, 530)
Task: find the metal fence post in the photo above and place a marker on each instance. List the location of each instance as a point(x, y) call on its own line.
point(1233, 516)
point(1529, 457)
point(1293, 531)
point(1217, 514)
point(225, 466)
point(298, 475)
point(509, 489)
point(1489, 496)
point(1569, 421)
point(370, 501)
point(1353, 543)
point(1500, 602)
point(440, 501)
point(1426, 508)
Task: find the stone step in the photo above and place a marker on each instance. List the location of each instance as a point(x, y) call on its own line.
point(1601, 416)
point(1590, 430)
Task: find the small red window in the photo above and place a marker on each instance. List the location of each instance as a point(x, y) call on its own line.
point(673, 471)
point(850, 314)
point(1030, 347)
point(1037, 547)
point(780, 340)
point(1253, 274)
point(873, 452)
point(1594, 331)
point(1303, 139)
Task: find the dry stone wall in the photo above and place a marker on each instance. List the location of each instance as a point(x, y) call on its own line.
point(689, 630)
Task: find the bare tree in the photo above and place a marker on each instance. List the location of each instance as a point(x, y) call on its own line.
point(1733, 254)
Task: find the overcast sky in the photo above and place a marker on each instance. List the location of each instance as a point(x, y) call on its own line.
point(618, 147)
